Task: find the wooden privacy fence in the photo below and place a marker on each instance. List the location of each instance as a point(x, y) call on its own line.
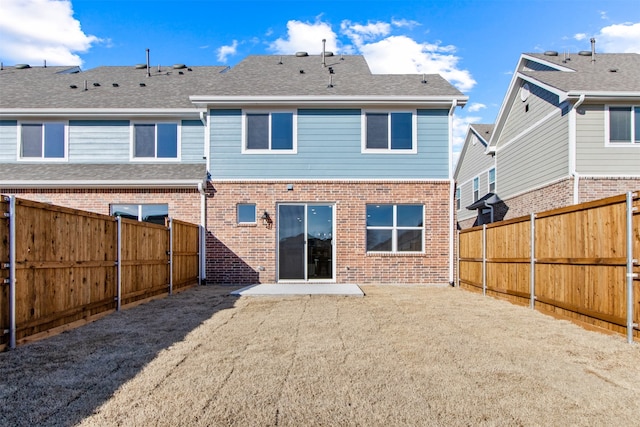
point(61, 267)
point(576, 262)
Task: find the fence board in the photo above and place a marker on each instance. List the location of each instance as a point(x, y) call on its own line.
point(4, 273)
point(66, 268)
point(580, 268)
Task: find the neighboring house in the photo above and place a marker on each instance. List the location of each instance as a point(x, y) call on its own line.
point(475, 177)
point(301, 167)
point(568, 131)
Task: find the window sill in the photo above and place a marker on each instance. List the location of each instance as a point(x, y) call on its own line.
point(247, 224)
point(395, 254)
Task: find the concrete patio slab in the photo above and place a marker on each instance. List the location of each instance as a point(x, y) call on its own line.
point(300, 289)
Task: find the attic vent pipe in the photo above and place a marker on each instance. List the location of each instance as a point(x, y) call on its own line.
point(324, 43)
point(148, 66)
point(593, 50)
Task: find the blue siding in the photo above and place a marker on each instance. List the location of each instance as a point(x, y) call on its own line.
point(192, 141)
point(329, 146)
point(99, 141)
point(8, 141)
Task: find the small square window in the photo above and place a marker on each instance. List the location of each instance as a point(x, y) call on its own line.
point(246, 213)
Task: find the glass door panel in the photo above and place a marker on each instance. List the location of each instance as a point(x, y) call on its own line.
point(305, 242)
point(291, 242)
point(320, 242)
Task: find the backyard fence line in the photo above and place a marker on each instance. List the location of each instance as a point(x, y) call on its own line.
point(575, 262)
point(61, 267)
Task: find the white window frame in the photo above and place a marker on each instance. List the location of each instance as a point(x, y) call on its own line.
point(19, 157)
point(475, 188)
point(489, 182)
point(132, 141)
point(293, 150)
point(607, 127)
point(394, 230)
point(255, 214)
point(389, 150)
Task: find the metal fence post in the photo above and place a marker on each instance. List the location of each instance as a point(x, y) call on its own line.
point(484, 259)
point(119, 263)
point(170, 256)
point(12, 272)
point(532, 273)
point(630, 262)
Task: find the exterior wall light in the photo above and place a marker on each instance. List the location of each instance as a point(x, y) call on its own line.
point(266, 220)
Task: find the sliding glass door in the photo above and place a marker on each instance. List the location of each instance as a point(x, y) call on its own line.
point(305, 242)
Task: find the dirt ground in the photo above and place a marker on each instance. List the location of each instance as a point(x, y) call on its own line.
point(399, 356)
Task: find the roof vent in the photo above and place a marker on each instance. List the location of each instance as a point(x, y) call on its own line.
point(143, 84)
point(613, 70)
point(189, 69)
point(181, 73)
point(22, 66)
point(115, 85)
point(73, 87)
point(331, 70)
point(424, 79)
point(301, 71)
point(584, 53)
point(96, 84)
point(328, 53)
point(141, 66)
point(280, 61)
point(301, 54)
point(551, 53)
point(179, 66)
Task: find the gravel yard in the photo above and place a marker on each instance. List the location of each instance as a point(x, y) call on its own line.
point(403, 355)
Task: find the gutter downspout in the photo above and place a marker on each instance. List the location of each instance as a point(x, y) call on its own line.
point(203, 235)
point(573, 148)
point(452, 186)
point(487, 205)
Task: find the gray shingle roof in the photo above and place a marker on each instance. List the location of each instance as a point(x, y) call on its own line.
point(588, 75)
point(107, 174)
point(485, 130)
point(264, 75)
point(40, 87)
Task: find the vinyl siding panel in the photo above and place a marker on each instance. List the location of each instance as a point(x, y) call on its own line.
point(539, 157)
point(593, 157)
point(540, 102)
point(466, 198)
point(536, 66)
point(192, 141)
point(99, 141)
point(474, 160)
point(8, 141)
point(328, 147)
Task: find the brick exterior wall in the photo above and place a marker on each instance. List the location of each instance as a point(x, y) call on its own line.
point(241, 254)
point(184, 204)
point(599, 188)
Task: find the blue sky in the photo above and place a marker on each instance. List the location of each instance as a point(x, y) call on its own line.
point(474, 44)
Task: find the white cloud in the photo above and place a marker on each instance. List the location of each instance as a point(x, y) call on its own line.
point(619, 38)
point(385, 53)
point(475, 107)
point(580, 36)
point(405, 23)
point(225, 51)
point(306, 37)
point(36, 30)
point(403, 55)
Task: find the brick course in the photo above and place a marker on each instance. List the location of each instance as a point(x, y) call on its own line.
point(240, 254)
point(184, 204)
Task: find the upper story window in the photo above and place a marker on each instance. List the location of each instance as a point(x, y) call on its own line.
point(476, 189)
point(155, 141)
point(624, 125)
point(458, 198)
point(389, 132)
point(492, 180)
point(45, 141)
point(395, 228)
point(269, 132)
